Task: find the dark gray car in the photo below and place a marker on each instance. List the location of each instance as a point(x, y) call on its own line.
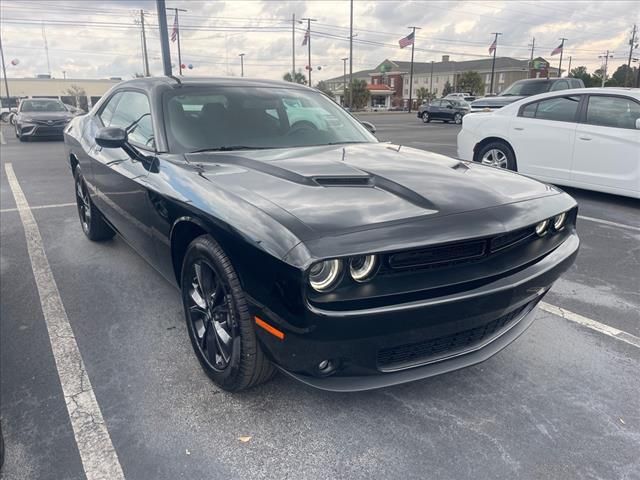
point(41, 117)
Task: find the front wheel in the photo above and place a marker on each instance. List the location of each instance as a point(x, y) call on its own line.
point(91, 220)
point(457, 118)
point(218, 319)
point(497, 154)
point(425, 117)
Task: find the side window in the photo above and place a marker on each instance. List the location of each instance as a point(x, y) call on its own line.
point(560, 85)
point(560, 109)
point(614, 112)
point(437, 103)
point(134, 115)
point(107, 111)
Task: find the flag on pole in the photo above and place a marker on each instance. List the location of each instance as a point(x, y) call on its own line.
point(492, 48)
point(406, 41)
point(557, 50)
point(305, 40)
point(174, 32)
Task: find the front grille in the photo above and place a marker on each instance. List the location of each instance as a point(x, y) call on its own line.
point(431, 350)
point(54, 123)
point(49, 130)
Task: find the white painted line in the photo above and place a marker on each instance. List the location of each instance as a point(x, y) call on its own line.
point(99, 458)
point(2, 140)
point(592, 324)
point(607, 222)
point(39, 207)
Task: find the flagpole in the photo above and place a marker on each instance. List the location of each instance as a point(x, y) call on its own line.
point(561, 52)
point(413, 44)
point(177, 27)
point(493, 63)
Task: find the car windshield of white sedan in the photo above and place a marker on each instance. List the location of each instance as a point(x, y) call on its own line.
point(33, 106)
point(235, 118)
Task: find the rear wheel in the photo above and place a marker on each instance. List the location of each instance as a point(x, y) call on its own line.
point(497, 154)
point(425, 117)
point(457, 118)
point(91, 220)
point(218, 319)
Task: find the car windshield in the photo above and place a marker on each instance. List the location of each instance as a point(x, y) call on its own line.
point(526, 89)
point(42, 106)
point(238, 117)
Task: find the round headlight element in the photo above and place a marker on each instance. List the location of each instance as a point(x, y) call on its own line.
point(558, 221)
point(541, 228)
point(324, 275)
point(363, 267)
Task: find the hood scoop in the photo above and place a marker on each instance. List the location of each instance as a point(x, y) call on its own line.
point(344, 181)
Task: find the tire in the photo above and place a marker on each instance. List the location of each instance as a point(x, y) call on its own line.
point(497, 154)
point(4, 116)
point(91, 220)
point(457, 119)
point(425, 117)
point(219, 323)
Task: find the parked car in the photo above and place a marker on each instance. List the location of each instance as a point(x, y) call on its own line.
point(587, 138)
point(467, 97)
point(346, 263)
point(41, 117)
point(522, 89)
point(447, 110)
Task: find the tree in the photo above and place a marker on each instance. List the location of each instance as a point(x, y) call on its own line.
point(623, 75)
point(300, 78)
point(447, 89)
point(361, 94)
point(581, 73)
point(324, 88)
point(422, 94)
point(79, 95)
point(471, 82)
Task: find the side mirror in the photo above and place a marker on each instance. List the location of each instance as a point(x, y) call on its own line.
point(369, 126)
point(111, 137)
point(637, 123)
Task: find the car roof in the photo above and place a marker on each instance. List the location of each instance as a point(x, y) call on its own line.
point(151, 83)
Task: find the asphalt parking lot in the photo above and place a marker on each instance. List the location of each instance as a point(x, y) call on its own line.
point(561, 402)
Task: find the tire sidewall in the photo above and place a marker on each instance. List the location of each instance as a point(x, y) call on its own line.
point(78, 178)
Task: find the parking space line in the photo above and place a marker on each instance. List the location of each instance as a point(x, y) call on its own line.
point(591, 324)
point(99, 458)
point(2, 140)
point(39, 207)
point(607, 222)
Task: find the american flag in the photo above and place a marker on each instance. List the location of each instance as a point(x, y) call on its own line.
point(406, 41)
point(305, 40)
point(557, 50)
point(492, 48)
point(174, 33)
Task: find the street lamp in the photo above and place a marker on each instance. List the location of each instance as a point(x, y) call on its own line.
point(241, 64)
point(344, 77)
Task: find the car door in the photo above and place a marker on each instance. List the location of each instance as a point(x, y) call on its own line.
point(607, 145)
point(447, 110)
point(542, 137)
point(435, 110)
point(120, 181)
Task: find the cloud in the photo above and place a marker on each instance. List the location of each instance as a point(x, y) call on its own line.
point(100, 38)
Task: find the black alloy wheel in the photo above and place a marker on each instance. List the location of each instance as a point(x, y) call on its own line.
point(91, 220)
point(218, 319)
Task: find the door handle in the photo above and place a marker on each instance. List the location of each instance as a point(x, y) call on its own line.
point(518, 128)
point(585, 138)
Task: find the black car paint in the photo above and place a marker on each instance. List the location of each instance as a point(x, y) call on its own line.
point(275, 214)
point(447, 110)
point(499, 101)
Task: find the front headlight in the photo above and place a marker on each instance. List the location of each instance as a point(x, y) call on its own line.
point(363, 267)
point(542, 227)
point(558, 221)
point(323, 276)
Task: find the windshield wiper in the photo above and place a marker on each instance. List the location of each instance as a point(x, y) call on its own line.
point(229, 148)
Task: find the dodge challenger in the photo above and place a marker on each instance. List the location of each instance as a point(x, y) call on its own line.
point(302, 244)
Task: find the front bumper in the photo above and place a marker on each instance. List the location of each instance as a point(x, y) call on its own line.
point(389, 345)
point(32, 130)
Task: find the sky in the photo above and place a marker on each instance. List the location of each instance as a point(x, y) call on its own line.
point(101, 38)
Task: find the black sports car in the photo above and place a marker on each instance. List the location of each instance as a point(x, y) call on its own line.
point(300, 242)
point(41, 117)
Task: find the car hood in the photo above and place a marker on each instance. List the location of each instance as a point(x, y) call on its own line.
point(494, 102)
point(334, 189)
point(47, 115)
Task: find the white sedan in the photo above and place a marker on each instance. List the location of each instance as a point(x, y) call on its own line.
point(586, 138)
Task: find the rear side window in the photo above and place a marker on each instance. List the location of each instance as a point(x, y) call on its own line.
point(560, 109)
point(617, 112)
point(133, 114)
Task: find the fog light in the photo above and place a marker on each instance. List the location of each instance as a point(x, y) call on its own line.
point(541, 228)
point(558, 222)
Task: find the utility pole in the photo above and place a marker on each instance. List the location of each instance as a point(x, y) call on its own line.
point(293, 47)
point(351, 55)
point(533, 46)
point(569, 69)
point(144, 46)
point(177, 27)
point(46, 49)
point(493, 63)
point(413, 45)
point(164, 37)
point(64, 74)
point(632, 45)
point(561, 52)
point(4, 73)
point(309, 20)
point(606, 58)
point(344, 77)
point(241, 64)
point(431, 79)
